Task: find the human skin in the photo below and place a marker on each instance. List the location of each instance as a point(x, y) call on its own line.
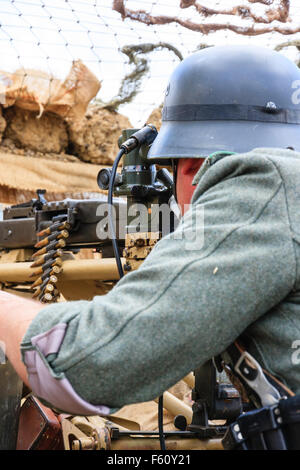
point(16, 313)
point(186, 170)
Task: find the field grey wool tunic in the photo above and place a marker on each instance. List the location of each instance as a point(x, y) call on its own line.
point(203, 286)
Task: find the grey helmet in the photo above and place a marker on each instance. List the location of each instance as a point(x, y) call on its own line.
point(229, 98)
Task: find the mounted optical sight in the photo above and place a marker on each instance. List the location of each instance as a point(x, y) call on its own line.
point(146, 191)
point(138, 179)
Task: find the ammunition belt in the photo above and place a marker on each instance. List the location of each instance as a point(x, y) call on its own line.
point(49, 259)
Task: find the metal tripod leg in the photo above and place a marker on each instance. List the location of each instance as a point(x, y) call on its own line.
point(10, 400)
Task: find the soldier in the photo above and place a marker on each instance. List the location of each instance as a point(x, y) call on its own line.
point(231, 128)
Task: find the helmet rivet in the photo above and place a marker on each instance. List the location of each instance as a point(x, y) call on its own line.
point(271, 106)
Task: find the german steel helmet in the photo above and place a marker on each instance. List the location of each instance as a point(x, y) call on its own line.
point(229, 98)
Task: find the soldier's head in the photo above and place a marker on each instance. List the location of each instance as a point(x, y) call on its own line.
point(227, 98)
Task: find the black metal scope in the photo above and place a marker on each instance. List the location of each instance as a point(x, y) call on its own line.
point(138, 178)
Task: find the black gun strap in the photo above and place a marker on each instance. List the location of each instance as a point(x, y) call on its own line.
point(261, 386)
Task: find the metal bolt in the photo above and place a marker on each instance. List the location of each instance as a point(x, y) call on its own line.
point(270, 104)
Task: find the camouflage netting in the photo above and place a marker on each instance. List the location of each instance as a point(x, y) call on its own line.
point(42, 116)
point(278, 11)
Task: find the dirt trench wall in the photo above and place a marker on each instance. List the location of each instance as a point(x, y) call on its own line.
point(2, 125)
point(93, 139)
point(155, 117)
point(47, 134)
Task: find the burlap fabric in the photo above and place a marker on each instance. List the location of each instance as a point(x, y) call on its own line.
point(20, 177)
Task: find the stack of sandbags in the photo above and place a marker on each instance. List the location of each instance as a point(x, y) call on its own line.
point(35, 90)
point(43, 116)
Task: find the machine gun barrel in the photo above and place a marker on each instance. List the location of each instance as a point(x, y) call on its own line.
point(73, 270)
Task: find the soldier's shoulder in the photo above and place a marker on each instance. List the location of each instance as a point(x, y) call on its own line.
point(259, 159)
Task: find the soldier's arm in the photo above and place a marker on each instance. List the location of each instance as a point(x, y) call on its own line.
point(16, 314)
point(192, 297)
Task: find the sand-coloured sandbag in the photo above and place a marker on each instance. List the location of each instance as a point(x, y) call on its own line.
point(38, 91)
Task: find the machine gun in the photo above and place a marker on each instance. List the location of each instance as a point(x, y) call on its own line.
point(39, 244)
